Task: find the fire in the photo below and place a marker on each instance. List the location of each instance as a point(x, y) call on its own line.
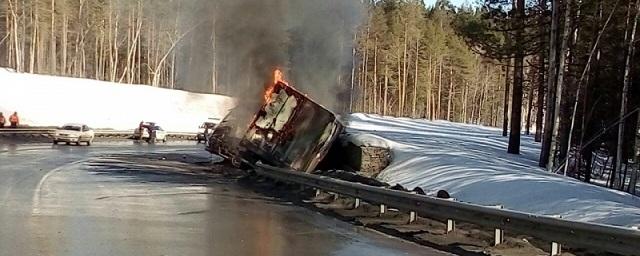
point(278, 77)
point(268, 92)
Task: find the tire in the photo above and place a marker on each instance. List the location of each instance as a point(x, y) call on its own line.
point(78, 143)
point(88, 143)
point(68, 143)
point(55, 142)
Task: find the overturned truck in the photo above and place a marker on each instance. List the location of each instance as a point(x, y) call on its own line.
point(289, 130)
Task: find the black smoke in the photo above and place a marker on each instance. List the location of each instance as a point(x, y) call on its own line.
point(310, 40)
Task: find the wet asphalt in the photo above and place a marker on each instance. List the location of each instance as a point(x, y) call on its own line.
point(69, 200)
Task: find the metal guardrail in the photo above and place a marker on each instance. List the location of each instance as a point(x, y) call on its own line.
point(27, 131)
point(51, 131)
point(600, 237)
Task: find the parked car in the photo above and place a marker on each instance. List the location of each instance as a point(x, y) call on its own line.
point(142, 132)
point(204, 131)
point(74, 133)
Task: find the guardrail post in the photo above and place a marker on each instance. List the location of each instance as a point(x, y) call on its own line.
point(412, 217)
point(556, 249)
point(383, 209)
point(451, 225)
point(499, 236)
point(356, 205)
point(499, 233)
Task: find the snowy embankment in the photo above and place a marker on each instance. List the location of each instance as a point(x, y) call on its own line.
point(52, 101)
point(471, 163)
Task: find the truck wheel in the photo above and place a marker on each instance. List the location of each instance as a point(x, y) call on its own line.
point(88, 143)
point(55, 142)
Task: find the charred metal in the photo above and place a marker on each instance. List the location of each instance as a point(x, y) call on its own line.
point(289, 130)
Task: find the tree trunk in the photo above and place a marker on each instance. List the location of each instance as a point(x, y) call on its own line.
point(405, 63)
point(505, 108)
point(620, 157)
point(483, 95)
point(564, 49)
point(531, 73)
point(438, 109)
point(353, 74)
point(428, 103)
point(540, 97)
point(52, 46)
point(385, 99)
point(65, 23)
point(450, 96)
point(34, 39)
point(375, 76)
point(415, 81)
point(518, 79)
point(474, 107)
point(465, 95)
point(365, 72)
point(545, 153)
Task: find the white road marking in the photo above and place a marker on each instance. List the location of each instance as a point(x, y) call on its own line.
point(36, 195)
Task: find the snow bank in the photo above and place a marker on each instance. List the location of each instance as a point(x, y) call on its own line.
point(471, 163)
point(52, 101)
point(366, 140)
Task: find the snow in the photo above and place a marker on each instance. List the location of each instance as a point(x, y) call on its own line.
point(366, 140)
point(471, 163)
point(52, 101)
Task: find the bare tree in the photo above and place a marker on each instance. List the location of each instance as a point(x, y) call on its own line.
point(564, 51)
point(625, 91)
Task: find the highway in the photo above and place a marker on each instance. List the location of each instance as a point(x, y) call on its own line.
point(139, 199)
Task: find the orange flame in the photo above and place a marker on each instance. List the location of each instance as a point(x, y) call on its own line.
point(278, 77)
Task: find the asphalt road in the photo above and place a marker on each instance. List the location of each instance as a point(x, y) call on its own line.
point(138, 199)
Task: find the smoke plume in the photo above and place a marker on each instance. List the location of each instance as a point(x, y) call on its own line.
point(238, 44)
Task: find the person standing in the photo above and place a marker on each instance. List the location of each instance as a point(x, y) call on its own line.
point(14, 120)
point(2, 120)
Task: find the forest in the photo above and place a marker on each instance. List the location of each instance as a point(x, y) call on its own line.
point(562, 71)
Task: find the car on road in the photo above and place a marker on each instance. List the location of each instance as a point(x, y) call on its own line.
point(142, 132)
point(74, 133)
point(204, 131)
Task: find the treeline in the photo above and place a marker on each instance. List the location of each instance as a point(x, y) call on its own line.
point(563, 69)
point(410, 61)
point(220, 46)
point(118, 40)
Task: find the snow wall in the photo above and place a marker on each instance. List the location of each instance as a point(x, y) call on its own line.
point(52, 101)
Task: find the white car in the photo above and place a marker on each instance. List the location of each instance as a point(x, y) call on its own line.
point(143, 134)
point(74, 133)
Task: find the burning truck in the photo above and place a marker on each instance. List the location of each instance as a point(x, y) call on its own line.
point(288, 130)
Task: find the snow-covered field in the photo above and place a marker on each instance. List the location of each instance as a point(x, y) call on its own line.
point(52, 101)
point(471, 163)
